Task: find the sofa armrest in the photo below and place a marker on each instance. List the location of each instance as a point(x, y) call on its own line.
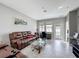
point(2, 46)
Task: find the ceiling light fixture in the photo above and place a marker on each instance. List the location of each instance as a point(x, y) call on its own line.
point(60, 7)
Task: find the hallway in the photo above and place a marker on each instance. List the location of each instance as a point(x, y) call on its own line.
point(53, 49)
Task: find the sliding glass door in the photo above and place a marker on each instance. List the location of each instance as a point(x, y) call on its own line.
point(57, 33)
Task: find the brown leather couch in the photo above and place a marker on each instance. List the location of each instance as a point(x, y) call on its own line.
point(20, 40)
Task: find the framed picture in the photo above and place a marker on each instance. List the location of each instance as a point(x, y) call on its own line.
point(20, 21)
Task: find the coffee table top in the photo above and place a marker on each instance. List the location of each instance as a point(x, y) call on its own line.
point(39, 42)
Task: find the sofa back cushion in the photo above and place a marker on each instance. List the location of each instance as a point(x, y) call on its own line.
point(30, 36)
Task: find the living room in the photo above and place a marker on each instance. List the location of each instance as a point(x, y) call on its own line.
point(24, 23)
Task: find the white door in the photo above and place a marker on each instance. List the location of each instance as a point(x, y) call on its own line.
point(57, 32)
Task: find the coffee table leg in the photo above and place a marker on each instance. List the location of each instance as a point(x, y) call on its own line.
point(39, 51)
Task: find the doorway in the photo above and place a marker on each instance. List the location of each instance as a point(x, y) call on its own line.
point(57, 32)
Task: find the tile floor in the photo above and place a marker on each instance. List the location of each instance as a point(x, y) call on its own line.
point(53, 49)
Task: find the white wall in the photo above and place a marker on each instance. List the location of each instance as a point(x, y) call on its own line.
point(7, 17)
point(72, 22)
point(78, 20)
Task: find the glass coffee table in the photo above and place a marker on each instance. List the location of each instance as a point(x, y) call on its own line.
point(38, 45)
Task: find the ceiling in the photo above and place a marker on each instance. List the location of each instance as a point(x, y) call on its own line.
point(42, 9)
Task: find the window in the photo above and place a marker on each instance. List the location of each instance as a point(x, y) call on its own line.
point(48, 28)
point(41, 28)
